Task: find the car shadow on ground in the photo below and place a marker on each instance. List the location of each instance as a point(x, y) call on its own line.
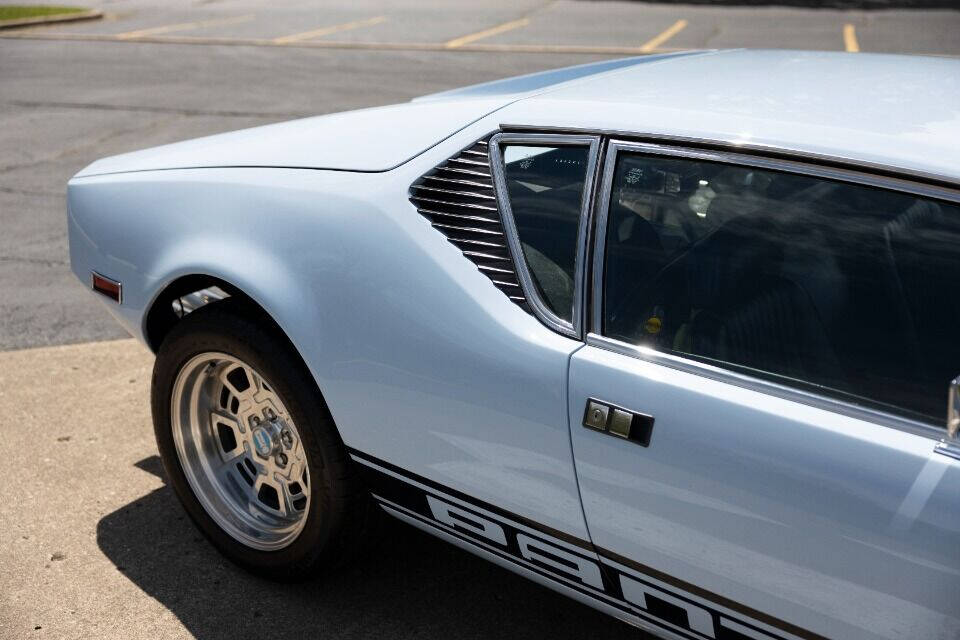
point(407, 585)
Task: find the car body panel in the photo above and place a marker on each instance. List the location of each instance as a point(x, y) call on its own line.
point(777, 505)
point(799, 532)
point(892, 111)
point(376, 139)
point(385, 333)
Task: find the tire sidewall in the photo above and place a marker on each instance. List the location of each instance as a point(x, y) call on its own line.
point(212, 329)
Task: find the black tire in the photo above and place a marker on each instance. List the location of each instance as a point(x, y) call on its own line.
point(340, 506)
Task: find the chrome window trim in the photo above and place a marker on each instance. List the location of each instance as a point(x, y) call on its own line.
point(950, 185)
point(574, 328)
point(768, 387)
point(595, 338)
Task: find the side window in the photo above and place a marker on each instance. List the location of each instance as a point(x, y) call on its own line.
point(844, 289)
point(545, 186)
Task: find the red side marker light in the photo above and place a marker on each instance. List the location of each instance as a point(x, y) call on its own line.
point(107, 287)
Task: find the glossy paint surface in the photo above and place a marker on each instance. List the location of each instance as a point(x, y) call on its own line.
point(839, 526)
point(375, 139)
point(843, 527)
point(423, 362)
point(899, 111)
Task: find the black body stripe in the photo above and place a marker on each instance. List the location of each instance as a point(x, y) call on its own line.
point(550, 531)
point(412, 500)
point(489, 548)
point(722, 601)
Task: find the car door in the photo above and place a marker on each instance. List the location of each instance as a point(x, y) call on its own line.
point(756, 413)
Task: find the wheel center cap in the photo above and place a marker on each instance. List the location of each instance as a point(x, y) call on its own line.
point(263, 441)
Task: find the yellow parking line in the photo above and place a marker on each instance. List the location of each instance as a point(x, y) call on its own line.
point(183, 26)
point(666, 34)
point(605, 50)
point(486, 33)
point(850, 39)
point(325, 31)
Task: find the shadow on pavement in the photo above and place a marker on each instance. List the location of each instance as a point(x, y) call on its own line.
point(408, 585)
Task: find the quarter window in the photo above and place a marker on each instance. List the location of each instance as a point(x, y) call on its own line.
point(846, 289)
point(545, 186)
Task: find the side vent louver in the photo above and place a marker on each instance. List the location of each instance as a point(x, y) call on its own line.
point(458, 198)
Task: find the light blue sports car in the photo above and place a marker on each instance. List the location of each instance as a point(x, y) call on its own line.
point(677, 336)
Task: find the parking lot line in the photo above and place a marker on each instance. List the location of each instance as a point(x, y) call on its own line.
point(486, 33)
point(654, 43)
point(850, 38)
point(325, 31)
point(183, 26)
point(604, 50)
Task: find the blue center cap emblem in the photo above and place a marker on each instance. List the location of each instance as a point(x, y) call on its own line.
point(262, 441)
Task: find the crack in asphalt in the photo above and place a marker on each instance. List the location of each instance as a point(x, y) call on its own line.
point(28, 192)
point(77, 148)
point(40, 261)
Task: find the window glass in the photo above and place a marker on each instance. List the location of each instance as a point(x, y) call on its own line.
point(847, 289)
point(545, 187)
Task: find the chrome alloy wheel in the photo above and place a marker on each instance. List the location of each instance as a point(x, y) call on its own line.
point(240, 451)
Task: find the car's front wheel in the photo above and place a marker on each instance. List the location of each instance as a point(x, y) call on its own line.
point(249, 445)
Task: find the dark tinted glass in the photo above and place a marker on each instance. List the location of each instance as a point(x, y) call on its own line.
point(545, 186)
point(844, 288)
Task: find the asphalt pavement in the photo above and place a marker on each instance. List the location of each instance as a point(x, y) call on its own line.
point(92, 542)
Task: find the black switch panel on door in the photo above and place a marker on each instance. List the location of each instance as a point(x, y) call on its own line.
point(618, 422)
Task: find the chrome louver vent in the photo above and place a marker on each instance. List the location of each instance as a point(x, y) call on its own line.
point(458, 198)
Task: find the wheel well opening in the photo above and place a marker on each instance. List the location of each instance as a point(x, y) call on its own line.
point(181, 297)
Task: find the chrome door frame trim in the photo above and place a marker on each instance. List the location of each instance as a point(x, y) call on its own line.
point(768, 387)
point(595, 338)
point(948, 186)
point(575, 328)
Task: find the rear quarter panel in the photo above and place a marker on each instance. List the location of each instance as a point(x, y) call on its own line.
point(423, 362)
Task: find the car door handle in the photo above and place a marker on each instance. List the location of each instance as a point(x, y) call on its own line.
point(617, 421)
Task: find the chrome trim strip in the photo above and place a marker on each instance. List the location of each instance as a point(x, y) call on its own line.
point(495, 245)
point(478, 163)
point(463, 171)
point(468, 229)
point(456, 181)
point(488, 256)
point(572, 329)
point(484, 267)
point(792, 166)
point(734, 145)
point(458, 216)
point(948, 448)
point(600, 238)
point(466, 194)
point(768, 387)
point(468, 205)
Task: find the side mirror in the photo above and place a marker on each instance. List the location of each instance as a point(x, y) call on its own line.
point(953, 409)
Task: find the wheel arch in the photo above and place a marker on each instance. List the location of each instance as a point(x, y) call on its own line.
point(161, 316)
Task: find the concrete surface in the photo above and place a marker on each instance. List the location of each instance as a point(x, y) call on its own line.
point(94, 545)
